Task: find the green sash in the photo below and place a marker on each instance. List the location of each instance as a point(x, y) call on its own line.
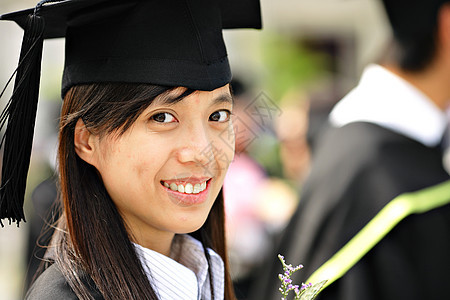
point(396, 210)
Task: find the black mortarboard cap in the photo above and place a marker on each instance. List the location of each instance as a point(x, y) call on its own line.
point(410, 18)
point(162, 42)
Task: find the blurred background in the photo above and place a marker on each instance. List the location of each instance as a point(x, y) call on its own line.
point(286, 79)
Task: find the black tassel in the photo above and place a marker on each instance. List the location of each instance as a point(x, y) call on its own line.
point(20, 113)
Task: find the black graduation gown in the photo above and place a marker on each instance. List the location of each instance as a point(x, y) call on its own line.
point(356, 171)
point(51, 285)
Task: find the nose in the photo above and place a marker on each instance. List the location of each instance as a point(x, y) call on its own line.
point(196, 146)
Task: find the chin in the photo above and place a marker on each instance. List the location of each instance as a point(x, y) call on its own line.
point(189, 228)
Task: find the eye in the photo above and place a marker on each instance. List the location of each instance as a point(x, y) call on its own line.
point(163, 118)
point(220, 116)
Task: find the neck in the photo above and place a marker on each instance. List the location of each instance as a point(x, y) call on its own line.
point(161, 242)
point(433, 82)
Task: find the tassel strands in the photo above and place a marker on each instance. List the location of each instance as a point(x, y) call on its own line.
point(20, 113)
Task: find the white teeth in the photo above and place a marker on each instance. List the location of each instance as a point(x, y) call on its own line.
point(196, 189)
point(188, 188)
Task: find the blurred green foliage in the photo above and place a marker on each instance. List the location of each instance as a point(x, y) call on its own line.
point(290, 64)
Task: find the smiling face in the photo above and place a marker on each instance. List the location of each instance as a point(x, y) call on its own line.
point(165, 172)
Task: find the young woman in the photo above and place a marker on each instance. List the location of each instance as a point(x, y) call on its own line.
point(145, 141)
point(120, 146)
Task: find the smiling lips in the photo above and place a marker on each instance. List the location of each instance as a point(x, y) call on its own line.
point(187, 193)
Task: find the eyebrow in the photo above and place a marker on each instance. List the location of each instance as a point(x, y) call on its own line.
point(223, 98)
point(172, 98)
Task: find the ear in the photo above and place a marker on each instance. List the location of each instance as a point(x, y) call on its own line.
point(444, 27)
point(85, 143)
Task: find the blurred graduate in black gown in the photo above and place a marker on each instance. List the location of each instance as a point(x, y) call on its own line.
point(383, 139)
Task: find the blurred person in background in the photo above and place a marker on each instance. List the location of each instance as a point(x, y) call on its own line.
point(385, 138)
point(246, 236)
point(42, 222)
point(292, 129)
point(257, 206)
point(45, 213)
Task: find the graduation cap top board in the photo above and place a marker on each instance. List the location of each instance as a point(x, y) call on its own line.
point(161, 42)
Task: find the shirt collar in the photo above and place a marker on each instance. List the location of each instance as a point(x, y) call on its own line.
point(185, 273)
point(385, 99)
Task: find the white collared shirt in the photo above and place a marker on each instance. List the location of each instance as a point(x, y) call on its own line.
point(385, 99)
point(185, 275)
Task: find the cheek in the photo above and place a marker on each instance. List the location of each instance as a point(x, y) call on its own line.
point(120, 163)
point(231, 140)
point(225, 146)
point(129, 177)
point(113, 167)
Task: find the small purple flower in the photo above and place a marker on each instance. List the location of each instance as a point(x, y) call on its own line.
point(286, 281)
